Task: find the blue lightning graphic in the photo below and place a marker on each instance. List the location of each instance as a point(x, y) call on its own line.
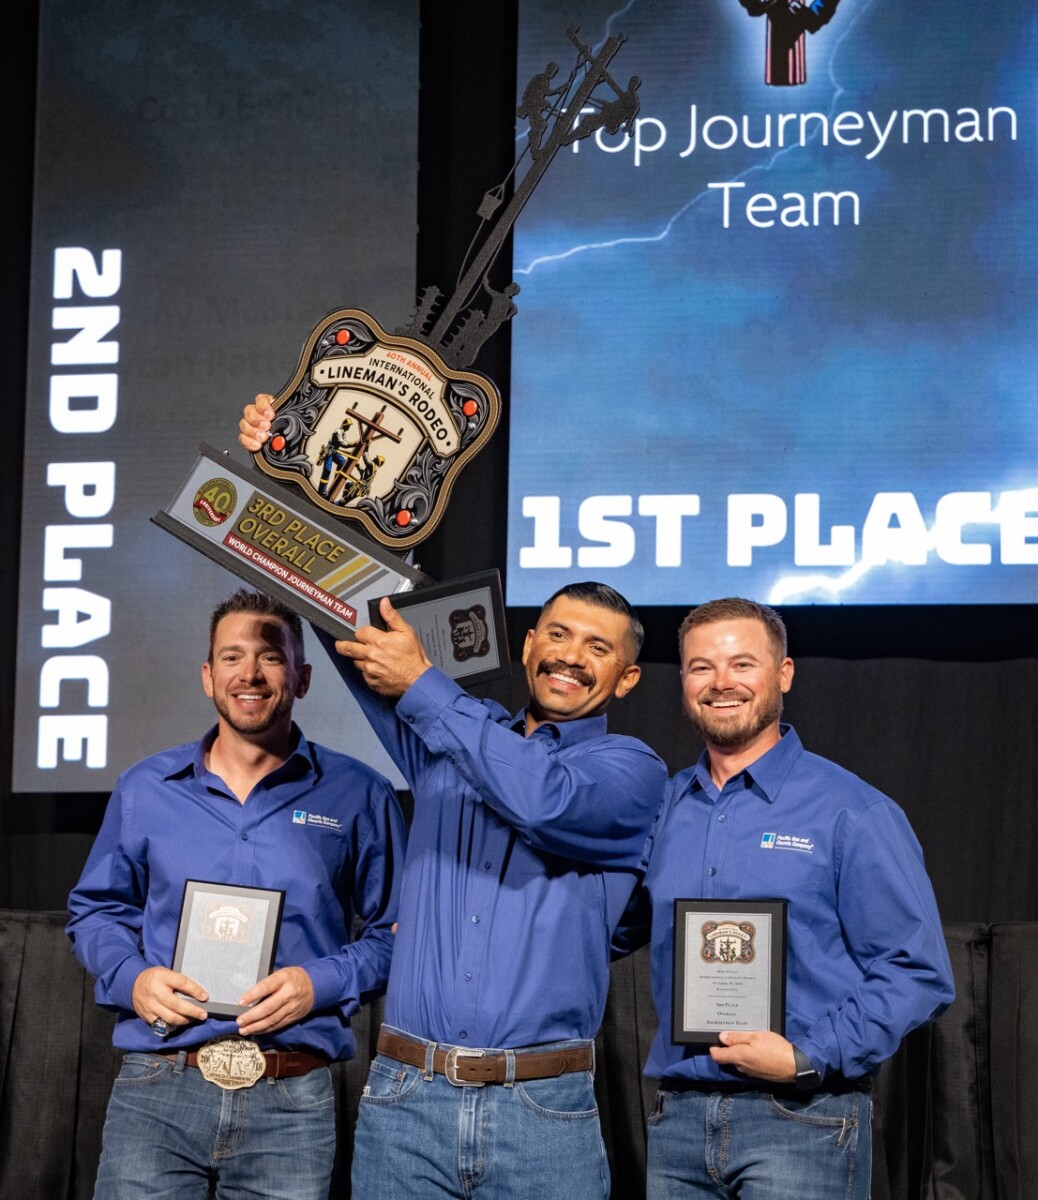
point(790, 588)
point(664, 233)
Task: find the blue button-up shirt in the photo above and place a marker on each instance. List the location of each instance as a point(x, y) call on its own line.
point(323, 827)
point(522, 854)
point(866, 959)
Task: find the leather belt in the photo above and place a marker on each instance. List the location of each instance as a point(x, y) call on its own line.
point(473, 1068)
point(280, 1064)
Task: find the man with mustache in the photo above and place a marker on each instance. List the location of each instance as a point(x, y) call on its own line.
point(758, 817)
point(527, 831)
point(527, 835)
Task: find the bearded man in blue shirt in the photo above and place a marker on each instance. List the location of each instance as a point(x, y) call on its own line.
point(253, 804)
point(758, 817)
point(527, 836)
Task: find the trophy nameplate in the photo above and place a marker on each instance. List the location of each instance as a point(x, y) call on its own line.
point(279, 544)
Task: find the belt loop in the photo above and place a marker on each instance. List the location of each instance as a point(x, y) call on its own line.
point(430, 1056)
point(594, 1058)
point(509, 1068)
point(181, 1062)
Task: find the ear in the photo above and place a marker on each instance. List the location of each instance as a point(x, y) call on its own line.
point(527, 644)
point(786, 674)
point(207, 680)
point(303, 684)
point(627, 681)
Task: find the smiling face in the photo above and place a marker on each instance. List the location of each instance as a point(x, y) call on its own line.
point(255, 674)
point(577, 659)
point(733, 682)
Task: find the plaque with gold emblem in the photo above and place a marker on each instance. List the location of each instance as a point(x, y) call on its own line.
point(729, 968)
point(226, 940)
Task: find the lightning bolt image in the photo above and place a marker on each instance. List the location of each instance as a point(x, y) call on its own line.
point(791, 588)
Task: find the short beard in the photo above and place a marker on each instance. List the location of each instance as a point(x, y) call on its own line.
point(257, 725)
point(730, 735)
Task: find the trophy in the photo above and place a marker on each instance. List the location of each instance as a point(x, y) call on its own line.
point(373, 427)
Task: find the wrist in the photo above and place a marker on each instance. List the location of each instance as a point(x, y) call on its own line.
point(806, 1077)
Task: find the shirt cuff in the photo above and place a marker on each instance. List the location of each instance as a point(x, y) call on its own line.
point(120, 989)
point(326, 978)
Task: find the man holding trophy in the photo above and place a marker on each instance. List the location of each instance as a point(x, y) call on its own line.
point(527, 834)
point(759, 838)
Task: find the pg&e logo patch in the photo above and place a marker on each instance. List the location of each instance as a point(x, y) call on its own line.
point(299, 817)
point(767, 841)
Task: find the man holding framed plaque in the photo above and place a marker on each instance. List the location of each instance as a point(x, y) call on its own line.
point(795, 938)
point(216, 912)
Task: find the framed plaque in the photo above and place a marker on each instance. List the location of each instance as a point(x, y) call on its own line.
point(461, 624)
point(226, 940)
point(729, 968)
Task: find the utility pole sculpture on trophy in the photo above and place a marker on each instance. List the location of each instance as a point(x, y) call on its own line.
point(373, 428)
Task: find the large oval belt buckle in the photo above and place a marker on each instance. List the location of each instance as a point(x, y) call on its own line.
point(231, 1063)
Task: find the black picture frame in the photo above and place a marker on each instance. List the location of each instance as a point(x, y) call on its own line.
point(714, 992)
point(432, 608)
point(214, 949)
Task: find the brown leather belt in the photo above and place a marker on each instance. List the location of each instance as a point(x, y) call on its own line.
point(280, 1064)
point(465, 1067)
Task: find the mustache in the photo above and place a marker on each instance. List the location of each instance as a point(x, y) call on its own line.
point(549, 668)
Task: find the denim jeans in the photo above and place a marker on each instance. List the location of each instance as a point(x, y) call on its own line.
point(419, 1136)
point(168, 1133)
point(758, 1146)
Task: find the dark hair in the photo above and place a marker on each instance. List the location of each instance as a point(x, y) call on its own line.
point(735, 608)
point(243, 601)
point(601, 595)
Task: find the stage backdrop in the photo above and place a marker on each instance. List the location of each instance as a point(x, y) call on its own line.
point(780, 340)
point(211, 180)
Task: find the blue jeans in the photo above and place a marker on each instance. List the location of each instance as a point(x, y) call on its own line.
point(419, 1136)
point(758, 1146)
point(168, 1133)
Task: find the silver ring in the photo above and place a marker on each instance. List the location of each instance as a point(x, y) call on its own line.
point(160, 1028)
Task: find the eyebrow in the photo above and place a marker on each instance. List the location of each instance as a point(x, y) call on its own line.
point(701, 658)
point(591, 637)
point(238, 648)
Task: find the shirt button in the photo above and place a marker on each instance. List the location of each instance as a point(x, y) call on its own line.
point(711, 870)
point(723, 817)
point(475, 920)
point(463, 1033)
point(487, 865)
point(244, 837)
point(468, 976)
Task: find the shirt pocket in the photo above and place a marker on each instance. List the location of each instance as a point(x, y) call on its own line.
point(803, 877)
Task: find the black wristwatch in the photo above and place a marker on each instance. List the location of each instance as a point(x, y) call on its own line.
point(806, 1077)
